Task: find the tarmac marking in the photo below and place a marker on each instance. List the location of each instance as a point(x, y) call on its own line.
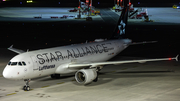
point(109, 16)
point(135, 66)
point(124, 69)
point(29, 90)
point(60, 83)
point(10, 94)
point(45, 86)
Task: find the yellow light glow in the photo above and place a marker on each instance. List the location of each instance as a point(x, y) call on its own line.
point(30, 1)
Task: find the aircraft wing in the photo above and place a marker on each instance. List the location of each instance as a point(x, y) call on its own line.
point(96, 64)
point(15, 50)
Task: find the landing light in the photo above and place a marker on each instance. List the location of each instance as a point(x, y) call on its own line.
point(170, 58)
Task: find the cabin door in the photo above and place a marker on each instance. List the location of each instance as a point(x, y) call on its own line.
point(35, 63)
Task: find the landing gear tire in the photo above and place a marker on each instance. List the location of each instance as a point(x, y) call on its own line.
point(55, 76)
point(96, 79)
point(26, 87)
point(52, 76)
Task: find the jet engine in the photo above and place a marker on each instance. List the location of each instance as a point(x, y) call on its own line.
point(85, 76)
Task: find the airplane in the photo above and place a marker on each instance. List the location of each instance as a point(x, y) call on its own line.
point(84, 60)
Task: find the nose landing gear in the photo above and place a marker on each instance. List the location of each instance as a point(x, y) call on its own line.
point(26, 87)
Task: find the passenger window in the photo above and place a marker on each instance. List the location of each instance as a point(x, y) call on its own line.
point(24, 63)
point(13, 63)
point(19, 63)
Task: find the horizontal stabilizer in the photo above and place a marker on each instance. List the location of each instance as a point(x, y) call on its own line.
point(136, 43)
point(15, 50)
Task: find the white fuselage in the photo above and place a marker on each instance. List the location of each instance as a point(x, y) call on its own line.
point(56, 60)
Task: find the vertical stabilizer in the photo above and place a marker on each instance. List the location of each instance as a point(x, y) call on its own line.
point(119, 31)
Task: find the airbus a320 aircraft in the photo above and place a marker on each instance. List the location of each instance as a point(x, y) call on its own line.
point(85, 60)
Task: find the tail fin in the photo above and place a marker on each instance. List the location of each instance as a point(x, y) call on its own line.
point(122, 23)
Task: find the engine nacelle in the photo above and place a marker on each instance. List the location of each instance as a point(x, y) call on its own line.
point(85, 76)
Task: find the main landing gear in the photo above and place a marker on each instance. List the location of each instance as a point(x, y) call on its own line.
point(55, 76)
point(97, 70)
point(96, 79)
point(26, 87)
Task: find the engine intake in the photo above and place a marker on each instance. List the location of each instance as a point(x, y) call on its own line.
point(85, 76)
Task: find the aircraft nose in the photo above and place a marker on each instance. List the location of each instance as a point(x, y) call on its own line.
point(6, 73)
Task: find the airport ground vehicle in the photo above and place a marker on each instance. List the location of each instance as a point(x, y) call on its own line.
point(176, 6)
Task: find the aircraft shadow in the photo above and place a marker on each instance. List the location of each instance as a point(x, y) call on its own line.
point(62, 77)
point(104, 77)
point(146, 71)
point(124, 74)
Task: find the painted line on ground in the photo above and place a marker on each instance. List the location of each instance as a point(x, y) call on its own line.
point(45, 86)
point(29, 90)
point(60, 83)
point(10, 94)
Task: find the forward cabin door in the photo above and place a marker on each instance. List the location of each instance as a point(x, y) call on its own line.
point(35, 63)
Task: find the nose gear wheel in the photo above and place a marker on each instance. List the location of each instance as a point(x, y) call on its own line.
point(26, 87)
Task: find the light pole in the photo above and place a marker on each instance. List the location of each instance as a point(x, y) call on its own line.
point(79, 8)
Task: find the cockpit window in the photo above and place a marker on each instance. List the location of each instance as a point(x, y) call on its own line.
point(24, 63)
point(13, 63)
point(19, 63)
point(9, 63)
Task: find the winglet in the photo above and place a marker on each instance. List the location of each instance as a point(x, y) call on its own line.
point(11, 46)
point(177, 57)
point(15, 50)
